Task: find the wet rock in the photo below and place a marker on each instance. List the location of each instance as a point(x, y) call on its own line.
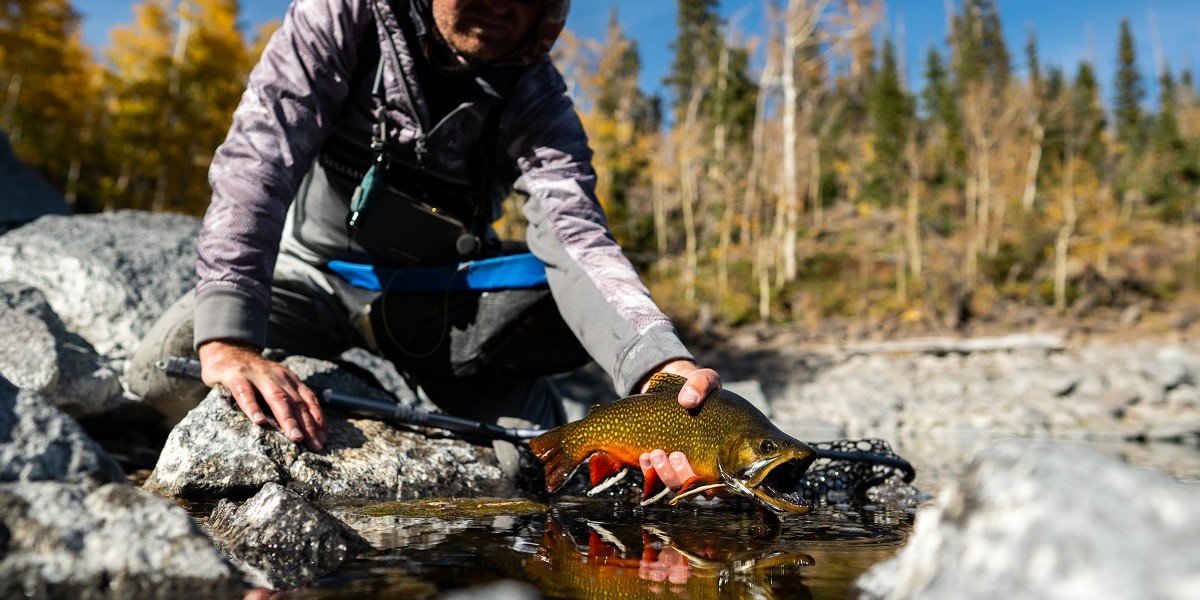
point(280, 540)
point(1048, 520)
point(71, 541)
point(217, 452)
point(49, 360)
point(39, 443)
point(103, 275)
point(418, 524)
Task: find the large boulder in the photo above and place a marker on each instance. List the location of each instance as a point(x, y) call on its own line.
point(39, 443)
point(62, 540)
point(1048, 520)
point(26, 195)
point(217, 452)
point(107, 276)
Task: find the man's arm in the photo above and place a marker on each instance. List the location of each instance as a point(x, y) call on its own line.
point(292, 98)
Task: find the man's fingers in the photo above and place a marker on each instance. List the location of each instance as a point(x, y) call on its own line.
point(673, 469)
point(285, 411)
point(313, 405)
point(700, 384)
point(680, 465)
point(666, 473)
point(310, 418)
point(247, 400)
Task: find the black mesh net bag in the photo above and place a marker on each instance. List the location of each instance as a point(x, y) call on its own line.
point(857, 471)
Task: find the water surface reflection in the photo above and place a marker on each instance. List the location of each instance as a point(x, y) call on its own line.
point(588, 548)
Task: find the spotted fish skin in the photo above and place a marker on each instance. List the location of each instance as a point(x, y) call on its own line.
point(726, 439)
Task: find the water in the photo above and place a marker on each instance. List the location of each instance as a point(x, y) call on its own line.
point(589, 548)
point(594, 548)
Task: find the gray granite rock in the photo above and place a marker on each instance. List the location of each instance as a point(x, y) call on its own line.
point(108, 275)
point(73, 541)
point(216, 452)
point(280, 540)
point(40, 443)
point(1048, 520)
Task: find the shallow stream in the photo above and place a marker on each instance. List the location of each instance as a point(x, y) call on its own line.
point(592, 548)
point(587, 548)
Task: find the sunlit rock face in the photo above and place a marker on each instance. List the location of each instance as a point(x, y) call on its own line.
point(1049, 520)
point(217, 452)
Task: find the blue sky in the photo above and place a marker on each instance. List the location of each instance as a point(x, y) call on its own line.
point(1068, 31)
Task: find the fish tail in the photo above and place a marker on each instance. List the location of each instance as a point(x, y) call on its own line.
point(559, 464)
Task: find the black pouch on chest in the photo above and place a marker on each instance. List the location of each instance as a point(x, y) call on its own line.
point(412, 225)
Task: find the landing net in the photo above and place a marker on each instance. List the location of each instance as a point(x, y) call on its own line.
point(854, 471)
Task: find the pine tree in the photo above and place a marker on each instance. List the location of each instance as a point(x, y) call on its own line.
point(979, 50)
point(1032, 63)
point(1127, 104)
point(1174, 170)
point(696, 48)
point(941, 107)
point(1053, 98)
point(891, 111)
point(1088, 121)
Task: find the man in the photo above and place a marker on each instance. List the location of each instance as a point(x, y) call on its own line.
point(454, 97)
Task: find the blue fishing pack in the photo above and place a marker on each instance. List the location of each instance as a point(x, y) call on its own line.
point(509, 272)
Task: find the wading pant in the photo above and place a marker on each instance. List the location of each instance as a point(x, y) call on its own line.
point(313, 313)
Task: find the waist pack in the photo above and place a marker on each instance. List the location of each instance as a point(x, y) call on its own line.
point(487, 319)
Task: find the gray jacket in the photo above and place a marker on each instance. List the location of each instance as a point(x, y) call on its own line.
point(310, 84)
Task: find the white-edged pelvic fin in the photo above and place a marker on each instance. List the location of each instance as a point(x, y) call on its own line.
point(656, 497)
point(607, 536)
point(607, 483)
point(693, 492)
point(658, 533)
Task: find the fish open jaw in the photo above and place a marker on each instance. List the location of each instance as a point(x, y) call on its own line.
point(779, 487)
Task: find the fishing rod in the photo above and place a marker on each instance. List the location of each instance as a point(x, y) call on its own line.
point(393, 412)
point(382, 410)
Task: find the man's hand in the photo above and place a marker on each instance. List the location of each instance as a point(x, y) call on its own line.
point(674, 469)
point(700, 382)
point(247, 375)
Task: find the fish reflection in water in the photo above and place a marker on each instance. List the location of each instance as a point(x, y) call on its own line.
point(580, 558)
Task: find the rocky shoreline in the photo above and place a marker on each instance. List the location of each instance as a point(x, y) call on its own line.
point(77, 293)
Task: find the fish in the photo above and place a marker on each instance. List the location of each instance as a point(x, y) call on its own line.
point(730, 444)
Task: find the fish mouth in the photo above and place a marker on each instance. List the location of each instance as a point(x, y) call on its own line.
point(776, 483)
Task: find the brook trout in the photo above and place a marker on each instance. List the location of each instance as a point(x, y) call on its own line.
point(728, 441)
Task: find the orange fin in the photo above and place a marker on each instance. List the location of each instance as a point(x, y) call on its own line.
point(665, 383)
point(604, 469)
point(559, 467)
point(653, 488)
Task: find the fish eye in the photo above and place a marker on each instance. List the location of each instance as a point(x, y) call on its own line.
point(767, 447)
